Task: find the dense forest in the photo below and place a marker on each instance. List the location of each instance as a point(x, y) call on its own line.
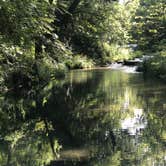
point(52, 36)
point(42, 42)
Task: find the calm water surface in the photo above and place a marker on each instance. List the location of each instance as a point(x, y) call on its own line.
point(92, 118)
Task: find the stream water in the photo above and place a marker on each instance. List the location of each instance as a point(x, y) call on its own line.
point(91, 118)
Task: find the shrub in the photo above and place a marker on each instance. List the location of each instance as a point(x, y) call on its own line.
point(79, 62)
point(115, 52)
point(156, 66)
point(137, 54)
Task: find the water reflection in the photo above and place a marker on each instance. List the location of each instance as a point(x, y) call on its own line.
point(92, 118)
point(134, 124)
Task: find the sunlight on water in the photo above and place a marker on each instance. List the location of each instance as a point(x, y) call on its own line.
point(126, 69)
point(134, 124)
point(130, 69)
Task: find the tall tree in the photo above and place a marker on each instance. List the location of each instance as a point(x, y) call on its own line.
point(149, 24)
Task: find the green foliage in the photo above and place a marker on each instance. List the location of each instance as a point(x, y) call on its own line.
point(115, 52)
point(79, 62)
point(40, 38)
point(149, 24)
point(149, 33)
point(137, 54)
point(156, 66)
point(95, 22)
point(23, 20)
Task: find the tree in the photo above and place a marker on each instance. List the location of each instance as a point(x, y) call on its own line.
point(149, 24)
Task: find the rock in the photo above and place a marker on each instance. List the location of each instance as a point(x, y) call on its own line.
point(134, 62)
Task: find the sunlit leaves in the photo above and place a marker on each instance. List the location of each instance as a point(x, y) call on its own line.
point(22, 20)
point(149, 25)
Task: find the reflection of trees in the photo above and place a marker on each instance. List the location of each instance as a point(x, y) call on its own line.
point(84, 111)
point(21, 115)
point(154, 134)
point(71, 109)
point(92, 111)
point(73, 104)
point(26, 136)
point(150, 147)
point(27, 145)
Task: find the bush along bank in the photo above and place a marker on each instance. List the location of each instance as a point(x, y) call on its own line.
point(155, 66)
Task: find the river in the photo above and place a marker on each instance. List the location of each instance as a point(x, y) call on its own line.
point(101, 117)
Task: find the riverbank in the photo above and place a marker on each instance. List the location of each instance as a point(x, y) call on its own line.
point(155, 67)
point(113, 66)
